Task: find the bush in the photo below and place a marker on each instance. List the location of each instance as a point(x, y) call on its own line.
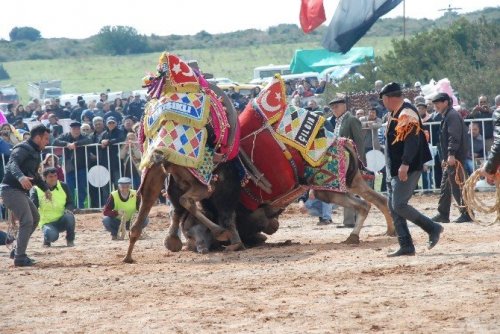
point(120, 40)
point(24, 33)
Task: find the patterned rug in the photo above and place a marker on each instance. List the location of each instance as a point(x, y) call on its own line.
point(187, 108)
point(181, 144)
point(330, 174)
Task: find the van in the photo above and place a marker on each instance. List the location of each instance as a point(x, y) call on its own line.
point(263, 72)
point(242, 89)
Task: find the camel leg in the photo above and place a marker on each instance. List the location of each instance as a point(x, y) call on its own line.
point(348, 201)
point(361, 188)
point(188, 201)
point(172, 241)
point(149, 195)
point(236, 243)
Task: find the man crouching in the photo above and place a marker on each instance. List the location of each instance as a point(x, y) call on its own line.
point(56, 213)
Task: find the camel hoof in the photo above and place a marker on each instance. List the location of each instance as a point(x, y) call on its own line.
point(223, 235)
point(173, 243)
point(128, 259)
point(390, 233)
point(353, 239)
point(272, 226)
point(234, 247)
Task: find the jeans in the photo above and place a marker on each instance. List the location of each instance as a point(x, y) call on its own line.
point(71, 179)
point(427, 179)
point(399, 195)
point(113, 224)
point(318, 208)
point(65, 223)
point(469, 166)
point(26, 212)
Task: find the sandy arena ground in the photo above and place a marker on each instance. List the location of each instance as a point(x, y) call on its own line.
point(304, 280)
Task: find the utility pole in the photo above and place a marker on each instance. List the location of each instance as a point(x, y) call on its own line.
point(404, 19)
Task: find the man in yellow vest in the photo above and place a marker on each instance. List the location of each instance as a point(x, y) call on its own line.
point(56, 213)
point(122, 203)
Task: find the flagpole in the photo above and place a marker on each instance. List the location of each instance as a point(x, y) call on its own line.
point(404, 19)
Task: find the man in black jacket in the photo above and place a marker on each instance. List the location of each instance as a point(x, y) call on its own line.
point(75, 160)
point(453, 148)
point(406, 152)
point(21, 173)
point(491, 166)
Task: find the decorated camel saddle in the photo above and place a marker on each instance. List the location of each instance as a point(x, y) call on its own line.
point(291, 148)
point(186, 120)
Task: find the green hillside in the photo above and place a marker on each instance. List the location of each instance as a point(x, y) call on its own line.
point(98, 73)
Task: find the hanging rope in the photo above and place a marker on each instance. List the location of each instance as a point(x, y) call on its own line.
point(474, 203)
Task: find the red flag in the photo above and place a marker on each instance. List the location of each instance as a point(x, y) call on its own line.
point(312, 14)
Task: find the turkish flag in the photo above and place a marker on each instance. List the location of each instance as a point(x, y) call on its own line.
point(312, 14)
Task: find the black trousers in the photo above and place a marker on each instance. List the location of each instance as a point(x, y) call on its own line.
point(449, 187)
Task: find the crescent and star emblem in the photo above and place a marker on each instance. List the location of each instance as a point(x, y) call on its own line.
point(266, 106)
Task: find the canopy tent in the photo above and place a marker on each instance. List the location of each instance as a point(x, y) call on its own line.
point(317, 60)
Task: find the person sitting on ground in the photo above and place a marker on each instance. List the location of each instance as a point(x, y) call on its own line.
point(122, 203)
point(316, 208)
point(56, 214)
point(6, 238)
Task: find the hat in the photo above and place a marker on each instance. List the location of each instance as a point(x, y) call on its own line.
point(421, 104)
point(124, 180)
point(75, 124)
point(440, 97)
point(111, 119)
point(390, 88)
point(339, 98)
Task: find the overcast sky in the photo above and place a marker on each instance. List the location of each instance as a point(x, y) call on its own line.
point(82, 19)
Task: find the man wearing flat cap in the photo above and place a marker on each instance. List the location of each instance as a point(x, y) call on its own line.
point(121, 205)
point(406, 152)
point(75, 161)
point(348, 126)
point(453, 148)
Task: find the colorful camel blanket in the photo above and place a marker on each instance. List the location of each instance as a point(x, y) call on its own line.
point(175, 119)
point(330, 174)
point(304, 131)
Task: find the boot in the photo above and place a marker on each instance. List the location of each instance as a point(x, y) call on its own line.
point(433, 229)
point(464, 218)
point(405, 247)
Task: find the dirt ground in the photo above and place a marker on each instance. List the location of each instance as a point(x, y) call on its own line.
point(304, 280)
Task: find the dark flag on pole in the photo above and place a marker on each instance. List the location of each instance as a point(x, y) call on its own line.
point(312, 14)
point(351, 21)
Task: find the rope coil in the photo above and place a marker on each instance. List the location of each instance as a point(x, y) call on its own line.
point(473, 202)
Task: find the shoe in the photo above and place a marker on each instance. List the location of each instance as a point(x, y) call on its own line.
point(403, 251)
point(346, 226)
point(324, 222)
point(46, 244)
point(70, 243)
point(464, 218)
point(440, 219)
point(24, 262)
point(434, 237)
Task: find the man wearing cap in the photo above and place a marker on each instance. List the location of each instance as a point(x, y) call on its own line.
point(98, 156)
point(136, 107)
point(56, 214)
point(121, 204)
point(110, 138)
point(75, 160)
point(453, 147)
point(406, 152)
point(348, 126)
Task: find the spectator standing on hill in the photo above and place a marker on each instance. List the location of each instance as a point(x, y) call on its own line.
point(75, 163)
point(483, 112)
point(136, 107)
